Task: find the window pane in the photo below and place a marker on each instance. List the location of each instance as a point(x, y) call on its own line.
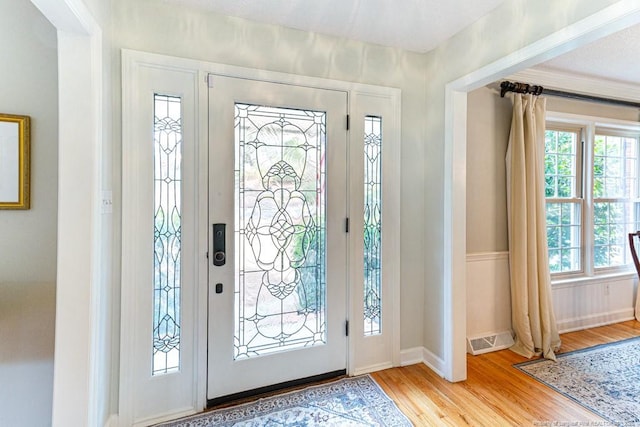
point(563, 219)
point(615, 177)
point(612, 222)
point(615, 167)
point(563, 236)
point(560, 162)
point(167, 147)
point(372, 224)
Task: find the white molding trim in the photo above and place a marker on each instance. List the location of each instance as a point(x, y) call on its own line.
point(68, 15)
point(595, 320)
point(372, 368)
point(616, 17)
point(164, 417)
point(435, 363)
point(411, 356)
point(582, 281)
point(575, 83)
point(112, 421)
point(79, 393)
point(487, 256)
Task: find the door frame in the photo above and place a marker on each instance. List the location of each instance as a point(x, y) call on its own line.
point(358, 94)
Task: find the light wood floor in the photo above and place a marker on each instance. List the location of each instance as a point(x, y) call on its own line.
point(495, 393)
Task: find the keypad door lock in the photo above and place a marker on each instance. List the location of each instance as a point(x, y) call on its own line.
point(219, 251)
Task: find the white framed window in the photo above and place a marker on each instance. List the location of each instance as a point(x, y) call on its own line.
point(592, 194)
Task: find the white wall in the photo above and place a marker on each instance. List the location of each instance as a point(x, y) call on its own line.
point(578, 305)
point(28, 86)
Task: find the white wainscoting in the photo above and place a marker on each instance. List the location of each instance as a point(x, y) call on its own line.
point(594, 302)
point(578, 304)
point(488, 294)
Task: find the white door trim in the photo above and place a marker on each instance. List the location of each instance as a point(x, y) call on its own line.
point(80, 391)
point(603, 23)
point(132, 59)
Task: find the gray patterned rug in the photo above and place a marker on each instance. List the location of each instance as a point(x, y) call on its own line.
point(604, 379)
point(356, 401)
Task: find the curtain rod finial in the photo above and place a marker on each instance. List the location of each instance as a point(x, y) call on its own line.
point(508, 86)
point(505, 87)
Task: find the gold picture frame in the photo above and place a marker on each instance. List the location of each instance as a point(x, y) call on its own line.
point(15, 145)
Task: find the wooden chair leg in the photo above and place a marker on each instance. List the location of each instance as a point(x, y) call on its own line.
point(634, 253)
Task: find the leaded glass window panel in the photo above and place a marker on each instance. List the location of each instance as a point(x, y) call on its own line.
point(167, 146)
point(280, 293)
point(372, 224)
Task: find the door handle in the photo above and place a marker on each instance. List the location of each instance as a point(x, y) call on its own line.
point(219, 251)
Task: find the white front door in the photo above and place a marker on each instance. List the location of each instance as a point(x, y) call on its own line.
point(278, 259)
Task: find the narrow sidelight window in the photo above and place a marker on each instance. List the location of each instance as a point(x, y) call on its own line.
point(372, 224)
point(167, 147)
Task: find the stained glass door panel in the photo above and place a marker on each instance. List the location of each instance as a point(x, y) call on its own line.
point(277, 179)
point(279, 229)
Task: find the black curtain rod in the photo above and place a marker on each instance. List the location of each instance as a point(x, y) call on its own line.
point(507, 86)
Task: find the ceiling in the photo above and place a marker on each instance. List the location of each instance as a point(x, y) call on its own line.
point(417, 25)
point(616, 58)
point(401, 24)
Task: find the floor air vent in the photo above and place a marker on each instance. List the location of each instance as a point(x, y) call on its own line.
point(491, 342)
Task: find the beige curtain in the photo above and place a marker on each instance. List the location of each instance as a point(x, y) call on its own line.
point(533, 319)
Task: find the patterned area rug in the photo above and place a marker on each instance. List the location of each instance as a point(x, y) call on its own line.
point(604, 379)
point(357, 401)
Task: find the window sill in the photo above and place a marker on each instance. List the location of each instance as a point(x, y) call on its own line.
point(592, 280)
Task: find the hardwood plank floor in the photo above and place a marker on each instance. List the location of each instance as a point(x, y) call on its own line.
point(495, 393)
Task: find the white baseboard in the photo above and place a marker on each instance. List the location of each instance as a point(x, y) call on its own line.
point(372, 368)
point(168, 416)
point(595, 320)
point(433, 361)
point(411, 356)
point(112, 421)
